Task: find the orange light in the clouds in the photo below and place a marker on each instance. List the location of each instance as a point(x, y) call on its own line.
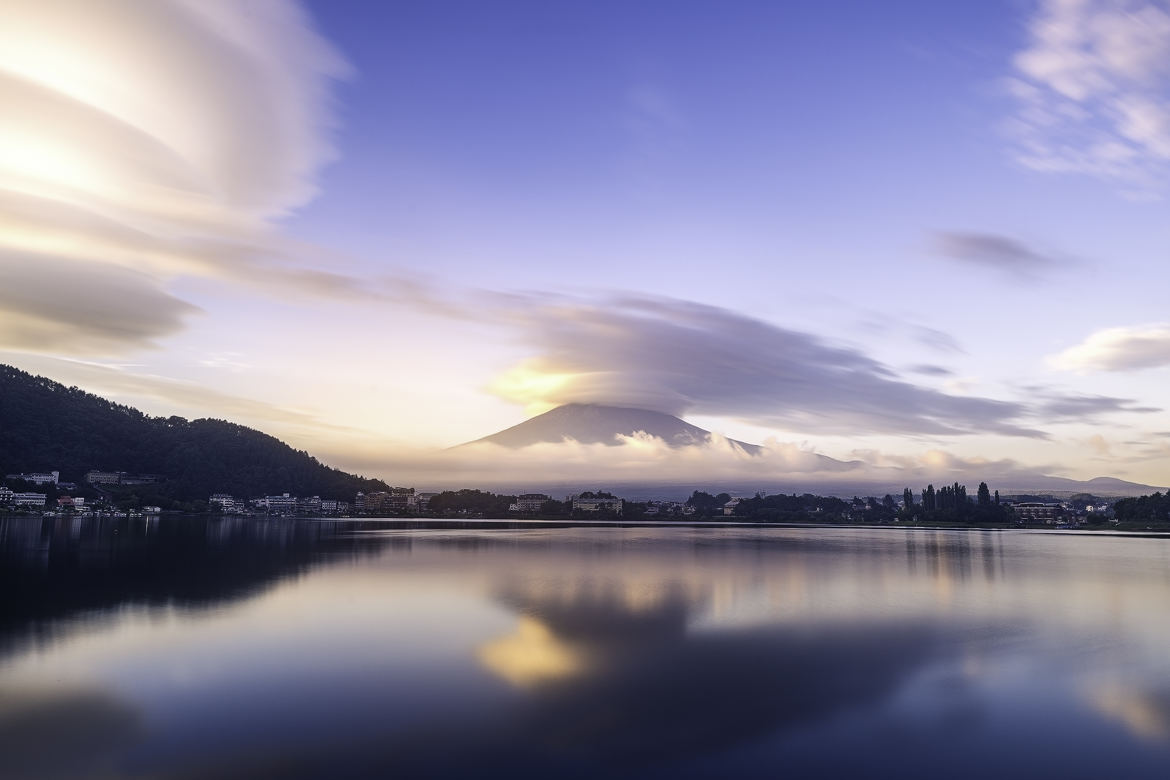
point(529, 385)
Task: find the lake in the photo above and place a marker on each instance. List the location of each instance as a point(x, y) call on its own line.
point(194, 647)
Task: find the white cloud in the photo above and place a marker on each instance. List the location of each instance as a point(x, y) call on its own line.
point(1118, 349)
point(1092, 87)
point(165, 137)
point(643, 461)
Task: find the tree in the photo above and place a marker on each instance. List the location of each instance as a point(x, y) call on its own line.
point(908, 498)
point(984, 495)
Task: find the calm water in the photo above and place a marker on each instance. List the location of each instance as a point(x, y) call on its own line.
point(220, 648)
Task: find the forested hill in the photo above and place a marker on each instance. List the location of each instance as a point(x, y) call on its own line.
point(45, 426)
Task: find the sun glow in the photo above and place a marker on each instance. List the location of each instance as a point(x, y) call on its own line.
point(531, 386)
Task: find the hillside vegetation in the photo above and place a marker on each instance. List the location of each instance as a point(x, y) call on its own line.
point(46, 426)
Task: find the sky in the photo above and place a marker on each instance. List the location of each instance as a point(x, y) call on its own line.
point(924, 238)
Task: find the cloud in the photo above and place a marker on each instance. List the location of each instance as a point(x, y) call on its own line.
point(1092, 89)
point(996, 252)
point(125, 385)
point(939, 341)
point(168, 138)
point(52, 305)
point(1056, 407)
point(1099, 444)
point(642, 466)
point(682, 357)
point(1118, 349)
point(929, 369)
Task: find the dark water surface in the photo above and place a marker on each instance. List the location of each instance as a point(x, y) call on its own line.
point(222, 648)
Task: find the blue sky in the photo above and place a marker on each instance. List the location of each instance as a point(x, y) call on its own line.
point(376, 228)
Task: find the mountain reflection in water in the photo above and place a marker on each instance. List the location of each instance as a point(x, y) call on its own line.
point(194, 647)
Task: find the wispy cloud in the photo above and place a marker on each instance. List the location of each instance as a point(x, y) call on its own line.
point(679, 356)
point(1072, 407)
point(94, 173)
point(53, 305)
point(929, 369)
point(645, 461)
point(1092, 90)
point(128, 384)
point(993, 251)
point(1118, 349)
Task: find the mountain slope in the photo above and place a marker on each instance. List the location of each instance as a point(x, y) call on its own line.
point(597, 424)
point(47, 426)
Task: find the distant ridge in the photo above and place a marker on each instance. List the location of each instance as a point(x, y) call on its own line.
point(599, 424)
point(1100, 486)
point(45, 425)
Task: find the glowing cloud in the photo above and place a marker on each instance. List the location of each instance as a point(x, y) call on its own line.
point(1118, 349)
point(164, 137)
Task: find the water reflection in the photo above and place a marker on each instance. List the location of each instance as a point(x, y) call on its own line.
point(196, 647)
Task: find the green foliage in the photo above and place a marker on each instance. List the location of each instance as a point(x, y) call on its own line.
point(471, 502)
point(1146, 509)
point(47, 426)
point(984, 495)
point(781, 508)
point(707, 504)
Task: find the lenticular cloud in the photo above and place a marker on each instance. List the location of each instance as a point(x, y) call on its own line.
point(164, 137)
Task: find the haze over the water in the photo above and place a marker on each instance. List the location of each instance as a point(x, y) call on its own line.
point(923, 239)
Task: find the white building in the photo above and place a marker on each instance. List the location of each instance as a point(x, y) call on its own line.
point(531, 502)
point(581, 504)
point(103, 477)
point(283, 504)
point(5, 495)
point(28, 499)
point(225, 502)
point(38, 477)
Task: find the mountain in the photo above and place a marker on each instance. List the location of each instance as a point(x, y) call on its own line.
point(1098, 486)
point(45, 426)
point(597, 424)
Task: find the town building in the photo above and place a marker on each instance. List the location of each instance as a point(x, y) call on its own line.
point(401, 499)
point(283, 504)
point(667, 508)
point(103, 477)
point(422, 501)
point(28, 499)
point(531, 502)
point(138, 479)
point(375, 503)
point(310, 505)
point(5, 495)
point(38, 477)
point(382, 502)
point(729, 507)
point(586, 504)
point(1037, 512)
point(331, 507)
point(224, 501)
